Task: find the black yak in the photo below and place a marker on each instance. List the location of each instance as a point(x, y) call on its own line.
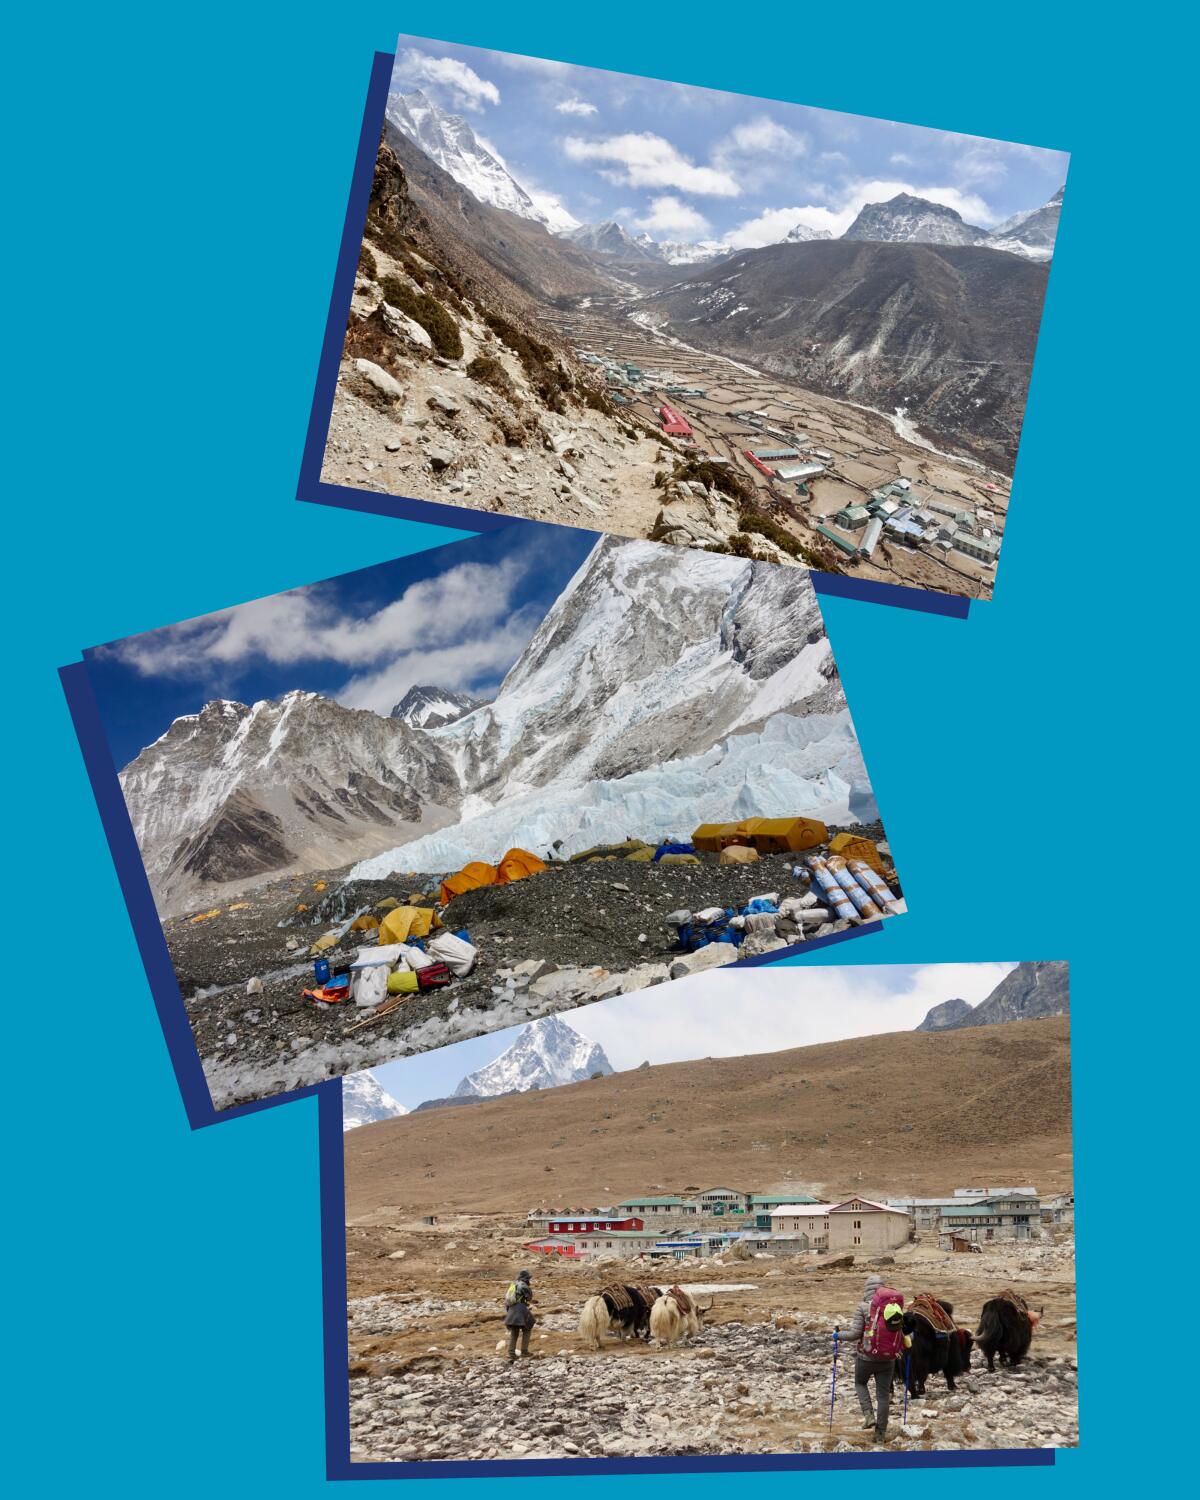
point(629, 1307)
point(938, 1346)
point(1005, 1328)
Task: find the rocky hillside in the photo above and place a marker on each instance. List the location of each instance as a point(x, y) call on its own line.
point(983, 1104)
point(946, 331)
point(1030, 991)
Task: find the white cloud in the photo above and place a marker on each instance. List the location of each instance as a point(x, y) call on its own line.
point(899, 159)
point(472, 661)
point(576, 107)
point(671, 215)
point(462, 611)
point(646, 160)
point(761, 136)
point(771, 226)
point(464, 85)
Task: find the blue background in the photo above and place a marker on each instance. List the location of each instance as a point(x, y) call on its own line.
point(180, 188)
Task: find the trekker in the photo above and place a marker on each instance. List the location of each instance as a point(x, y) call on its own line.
point(519, 1316)
point(879, 1338)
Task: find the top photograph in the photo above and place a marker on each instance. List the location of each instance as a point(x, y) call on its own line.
point(669, 312)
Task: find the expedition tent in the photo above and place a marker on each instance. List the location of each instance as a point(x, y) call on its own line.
point(518, 864)
point(852, 846)
point(404, 923)
point(469, 878)
point(766, 835)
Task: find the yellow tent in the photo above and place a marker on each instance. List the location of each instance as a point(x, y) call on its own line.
point(365, 923)
point(405, 922)
point(767, 835)
point(387, 904)
point(707, 838)
point(641, 856)
point(320, 886)
point(851, 846)
point(207, 916)
point(469, 878)
point(518, 864)
point(326, 941)
point(738, 854)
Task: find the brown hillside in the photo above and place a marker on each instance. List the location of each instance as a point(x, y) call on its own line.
point(907, 1112)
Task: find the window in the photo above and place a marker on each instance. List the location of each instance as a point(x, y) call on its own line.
point(857, 1240)
point(857, 1225)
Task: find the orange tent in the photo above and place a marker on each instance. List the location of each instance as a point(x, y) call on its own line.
point(517, 864)
point(469, 878)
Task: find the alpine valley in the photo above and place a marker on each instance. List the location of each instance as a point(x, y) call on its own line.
point(503, 354)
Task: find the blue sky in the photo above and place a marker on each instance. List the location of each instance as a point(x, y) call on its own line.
point(724, 1014)
point(454, 617)
point(688, 163)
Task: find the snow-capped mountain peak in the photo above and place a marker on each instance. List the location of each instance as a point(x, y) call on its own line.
point(908, 219)
point(801, 233)
point(450, 141)
point(365, 1100)
point(430, 707)
point(547, 1054)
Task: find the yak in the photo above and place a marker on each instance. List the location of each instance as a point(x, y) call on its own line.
point(934, 1351)
point(676, 1316)
point(1006, 1328)
point(619, 1309)
point(594, 1321)
point(666, 1321)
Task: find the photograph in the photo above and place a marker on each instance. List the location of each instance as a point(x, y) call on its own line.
point(829, 1211)
point(497, 779)
point(636, 306)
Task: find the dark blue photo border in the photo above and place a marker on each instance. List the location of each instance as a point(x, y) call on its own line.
point(312, 489)
point(337, 1384)
point(147, 929)
point(185, 1059)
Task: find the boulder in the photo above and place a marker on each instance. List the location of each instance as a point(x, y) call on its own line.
point(711, 956)
point(404, 327)
point(387, 384)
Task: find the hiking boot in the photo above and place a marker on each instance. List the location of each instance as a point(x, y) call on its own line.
point(869, 1425)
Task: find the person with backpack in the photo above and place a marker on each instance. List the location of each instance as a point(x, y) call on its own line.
point(519, 1316)
point(878, 1335)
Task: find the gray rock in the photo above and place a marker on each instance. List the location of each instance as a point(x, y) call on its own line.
point(380, 379)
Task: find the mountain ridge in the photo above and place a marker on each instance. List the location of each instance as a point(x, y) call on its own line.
point(1031, 991)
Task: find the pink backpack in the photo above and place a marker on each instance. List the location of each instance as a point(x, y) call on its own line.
point(878, 1340)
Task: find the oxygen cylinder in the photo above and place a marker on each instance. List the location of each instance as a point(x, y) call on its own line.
point(863, 904)
point(835, 897)
point(874, 883)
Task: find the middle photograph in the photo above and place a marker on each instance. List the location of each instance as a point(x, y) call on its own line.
point(480, 784)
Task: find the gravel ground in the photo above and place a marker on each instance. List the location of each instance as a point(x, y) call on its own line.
point(601, 925)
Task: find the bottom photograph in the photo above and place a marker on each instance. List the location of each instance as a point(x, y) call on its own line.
point(802, 1211)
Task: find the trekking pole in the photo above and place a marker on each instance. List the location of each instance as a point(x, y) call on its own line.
point(907, 1362)
point(833, 1386)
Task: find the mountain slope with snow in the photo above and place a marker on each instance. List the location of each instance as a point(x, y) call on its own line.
point(547, 1054)
point(428, 707)
point(449, 141)
point(651, 697)
point(237, 791)
point(906, 219)
point(365, 1100)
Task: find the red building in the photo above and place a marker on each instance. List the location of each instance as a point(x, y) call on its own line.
point(591, 1226)
point(672, 423)
point(758, 464)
